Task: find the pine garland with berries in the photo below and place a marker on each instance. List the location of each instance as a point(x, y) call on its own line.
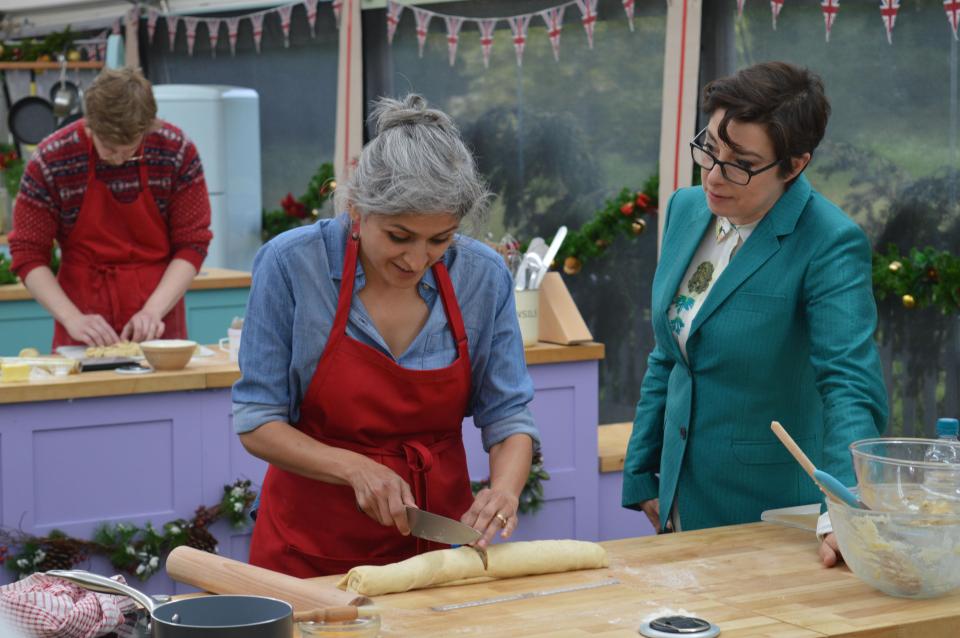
point(129, 548)
point(302, 210)
point(924, 277)
point(531, 498)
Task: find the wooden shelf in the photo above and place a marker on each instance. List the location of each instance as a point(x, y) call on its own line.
point(48, 66)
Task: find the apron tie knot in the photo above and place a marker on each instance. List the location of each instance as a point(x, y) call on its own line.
point(419, 457)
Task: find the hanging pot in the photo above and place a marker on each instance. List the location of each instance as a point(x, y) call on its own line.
point(31, 119)
point(65, 96)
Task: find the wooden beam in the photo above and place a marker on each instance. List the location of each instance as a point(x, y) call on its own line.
point(681, 62)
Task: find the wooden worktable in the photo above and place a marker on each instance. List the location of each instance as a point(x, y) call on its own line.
point(206, 279)
point(204, 373)
point(751, 580)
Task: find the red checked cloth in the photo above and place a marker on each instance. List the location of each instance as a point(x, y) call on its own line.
point(41, 606)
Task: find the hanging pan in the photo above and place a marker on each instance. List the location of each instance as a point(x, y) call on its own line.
point(31, 118)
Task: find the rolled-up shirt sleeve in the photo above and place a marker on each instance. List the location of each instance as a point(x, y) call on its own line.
point(504, 388)
point(262, 394)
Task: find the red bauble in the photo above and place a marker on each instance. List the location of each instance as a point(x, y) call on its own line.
point(627, 209)
point(643, 200)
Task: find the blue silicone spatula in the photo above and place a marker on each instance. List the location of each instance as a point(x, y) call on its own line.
point(827, 483)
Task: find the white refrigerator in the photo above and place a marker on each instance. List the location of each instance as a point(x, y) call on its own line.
point(224, 123)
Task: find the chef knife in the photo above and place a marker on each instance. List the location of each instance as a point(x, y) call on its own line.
point(440, 529)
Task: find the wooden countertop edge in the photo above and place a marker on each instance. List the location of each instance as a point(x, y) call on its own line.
point(208, 279)
point(212, 373)
point(612, 445)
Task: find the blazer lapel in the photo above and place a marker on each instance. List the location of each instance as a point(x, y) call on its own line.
point(761, 245)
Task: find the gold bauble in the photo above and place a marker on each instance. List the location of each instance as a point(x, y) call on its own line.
point(909, 301)
point(895, 266)
point(73, 55)
point(601, 243)
point(332, 184)
point(572, 265)
point(638, 227)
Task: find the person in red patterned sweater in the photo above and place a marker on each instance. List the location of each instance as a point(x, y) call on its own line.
point(123, 194)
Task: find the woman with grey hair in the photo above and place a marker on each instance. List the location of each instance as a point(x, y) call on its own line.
point(368, 338)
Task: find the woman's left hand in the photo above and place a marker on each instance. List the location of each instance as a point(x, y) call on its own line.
point(143, 326)
point(493, 510)
point(829, 550)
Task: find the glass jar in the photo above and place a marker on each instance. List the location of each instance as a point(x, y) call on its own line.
point(367, 627)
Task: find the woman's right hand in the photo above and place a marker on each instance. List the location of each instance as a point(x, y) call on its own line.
point(382, 495)
point(651, 508)
point(92, 330)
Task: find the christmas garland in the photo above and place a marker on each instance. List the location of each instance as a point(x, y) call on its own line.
point(129, 548)
point(921, 279)
point(45, 50)
point(531, 498)
point(623, 215)
point(302, 210)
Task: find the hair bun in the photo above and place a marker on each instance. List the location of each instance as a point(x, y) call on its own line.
point(388, 113)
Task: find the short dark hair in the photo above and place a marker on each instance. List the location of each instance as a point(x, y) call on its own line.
point(787, 100)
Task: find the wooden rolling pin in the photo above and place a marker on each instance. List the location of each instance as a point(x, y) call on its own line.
point(220, 575)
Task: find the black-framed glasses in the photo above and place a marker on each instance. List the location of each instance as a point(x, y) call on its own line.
point(731, 172)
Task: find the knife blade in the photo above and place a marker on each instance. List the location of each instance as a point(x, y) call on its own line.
point(440, 529)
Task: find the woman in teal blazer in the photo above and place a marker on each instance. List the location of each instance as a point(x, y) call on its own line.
point(762, 310)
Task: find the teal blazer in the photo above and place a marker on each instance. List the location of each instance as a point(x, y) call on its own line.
point(785, 334)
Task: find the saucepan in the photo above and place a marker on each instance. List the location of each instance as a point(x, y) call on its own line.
point(201, 617)
point(65, 95)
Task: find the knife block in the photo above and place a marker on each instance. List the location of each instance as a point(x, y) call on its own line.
point(560, 320)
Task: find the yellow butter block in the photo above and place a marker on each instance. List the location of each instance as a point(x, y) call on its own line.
point(10, 372)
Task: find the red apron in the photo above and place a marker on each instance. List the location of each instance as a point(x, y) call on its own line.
point(361, 400)
point(115, 256)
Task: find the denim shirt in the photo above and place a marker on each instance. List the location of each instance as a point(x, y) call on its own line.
point(293, 302)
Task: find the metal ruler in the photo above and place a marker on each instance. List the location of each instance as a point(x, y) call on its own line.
point(525, 595)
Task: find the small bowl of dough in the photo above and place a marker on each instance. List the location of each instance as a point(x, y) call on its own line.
point(910, 554)
point(168, 354)
point(363, 627)
point(897, 474)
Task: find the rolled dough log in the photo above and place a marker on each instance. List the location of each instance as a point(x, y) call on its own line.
point(453, 566)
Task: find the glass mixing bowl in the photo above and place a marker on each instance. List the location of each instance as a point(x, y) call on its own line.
point(894, 475)
point(907, 554)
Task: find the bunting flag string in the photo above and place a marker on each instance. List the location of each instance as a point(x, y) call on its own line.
point(775, 7)
point(553, 18)
point(519, 26)
point(454, 23)
point(233, 30)
point(257, 21)
point(830, 9)
point(629, 6)
point(888, 11)
point(172, 23)
point(394, 9)
point(952, 7)
point(423, 23)
point(311, 7)
point(588, 12)
point(152, 16)
point(487, 28)
point(337, 9)
point(191, 28)
point(285, 12)
point(213, 34)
